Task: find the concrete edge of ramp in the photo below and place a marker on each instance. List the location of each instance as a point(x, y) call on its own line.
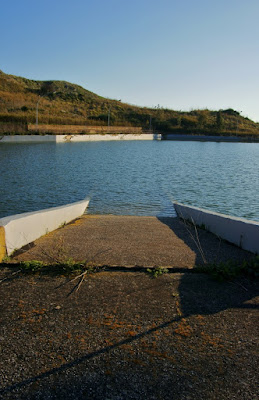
point(18, 230)
point(239, 231)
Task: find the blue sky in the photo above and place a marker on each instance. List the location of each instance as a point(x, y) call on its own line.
point(182, 55)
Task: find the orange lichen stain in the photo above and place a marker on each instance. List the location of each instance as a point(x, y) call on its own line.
point(61, 358)
point(108, 342)
point(201, 319)
point(210, 340)
point(129, 326)
point(131, 333)
point(21, 304)
point(107, 323)
point(126, 347)
point(69, 335)
point(79, 338)
point(117, 325)
point(108, 372)
point(178, 308)
point(39, 312)
point(107, 316)
point(76, 223)
point(183, 329)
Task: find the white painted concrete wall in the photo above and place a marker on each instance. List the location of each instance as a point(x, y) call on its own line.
point(22, 229)
point(106, 137)
point(77, 138)
point(239, 231)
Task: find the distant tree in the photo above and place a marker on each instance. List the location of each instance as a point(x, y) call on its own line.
point(47, 88)
point(179, 120)
point(202, 120)
point(220, 121)
point(230, 111)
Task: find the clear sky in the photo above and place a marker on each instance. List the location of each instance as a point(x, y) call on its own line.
point(183, 54)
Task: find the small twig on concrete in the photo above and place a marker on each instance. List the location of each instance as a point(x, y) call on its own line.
point(77, 286)
point(239, 284)
point(77, 277)
point(196, 240)
point(12, 274)
point(80, 283)
point(199, 243)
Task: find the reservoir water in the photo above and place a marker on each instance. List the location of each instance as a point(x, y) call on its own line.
point(131, 177)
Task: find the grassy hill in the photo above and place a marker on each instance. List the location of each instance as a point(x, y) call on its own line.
point(64, 103)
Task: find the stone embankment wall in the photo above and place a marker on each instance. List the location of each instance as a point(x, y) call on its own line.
point(18, 230)
point(239, 231)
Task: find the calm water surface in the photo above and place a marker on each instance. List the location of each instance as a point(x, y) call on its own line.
point(137, 178)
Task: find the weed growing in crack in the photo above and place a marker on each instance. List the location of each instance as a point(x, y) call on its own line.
point(231, 270)
point(158, 271)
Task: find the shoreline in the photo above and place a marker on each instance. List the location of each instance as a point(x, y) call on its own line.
point(88, 137)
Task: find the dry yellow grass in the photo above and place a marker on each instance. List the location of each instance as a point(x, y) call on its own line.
point(79, 129)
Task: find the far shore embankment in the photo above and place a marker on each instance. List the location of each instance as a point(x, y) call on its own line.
point(64, 133)
point(77, 138)
point(93, 137)
point(209, 138)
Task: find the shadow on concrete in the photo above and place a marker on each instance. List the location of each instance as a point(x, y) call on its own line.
point(86, 377)
point(208, 248)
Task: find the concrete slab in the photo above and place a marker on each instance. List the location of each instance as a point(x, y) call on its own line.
point(131, 240)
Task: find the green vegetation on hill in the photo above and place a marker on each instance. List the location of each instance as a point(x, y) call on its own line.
point(65, 103)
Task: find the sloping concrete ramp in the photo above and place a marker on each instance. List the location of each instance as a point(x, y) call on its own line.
point(130, 241)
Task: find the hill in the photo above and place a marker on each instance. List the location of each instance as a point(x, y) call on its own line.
point(64, 103)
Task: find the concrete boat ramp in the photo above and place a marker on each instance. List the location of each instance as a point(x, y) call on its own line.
point(131, 241)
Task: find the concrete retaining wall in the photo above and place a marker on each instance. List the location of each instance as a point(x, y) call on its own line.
point(201, 138)
point(77, 138)
point(18, 230)
point(239, 231)
point(27, 138)
point(106, 137)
